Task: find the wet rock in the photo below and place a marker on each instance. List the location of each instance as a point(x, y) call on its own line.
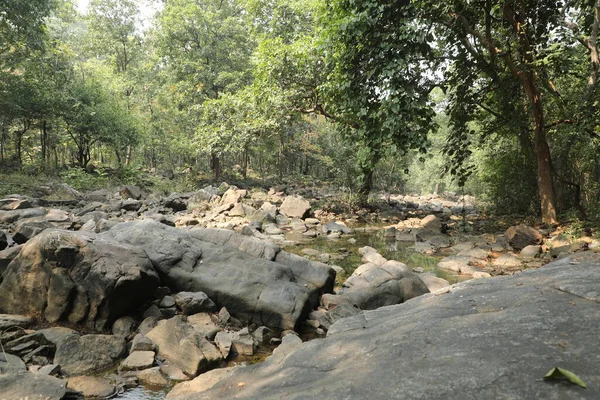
point(294, 207)
point(194, 302)
point(77, 277)
point(91, 387)
point(90, 353)
point(521, 236)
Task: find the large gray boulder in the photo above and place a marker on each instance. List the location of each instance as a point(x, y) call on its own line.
point(484, 339)
point(251, 286)
point(77, 277)
point(80, 355)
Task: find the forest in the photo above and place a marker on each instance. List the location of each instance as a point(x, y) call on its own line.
point(498, 99)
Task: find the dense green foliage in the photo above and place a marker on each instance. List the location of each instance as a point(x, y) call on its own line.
point(501, 96)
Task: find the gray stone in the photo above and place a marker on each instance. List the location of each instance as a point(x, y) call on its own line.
point(183, 347)
point(137, 360)
point(252, 285)
point(141, 343)
point(9, 217)
point(224, 340)
point(334, 227)
point(243, 343)
point(507, 260)
point(131, 205)
point(167, 301)
point(173, 373)
point(90, 353)
point(454, 263)
point(77, 277)
point(485, 339)
point(27, 385)
point(12, 320)
point(194, 302)
point(130, 191)
point(152, 377)
point(294, 207)
point(6, 256)
point(433, 283)
point(28, 228)
point(52, 370)
point(124, 327)
point(91, 387)
point(531, 251)
point(9, 363)
point(521, 236)
point(199, 384)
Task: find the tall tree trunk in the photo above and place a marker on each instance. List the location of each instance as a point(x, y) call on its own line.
point(215, 166)
point(43, 143)
point(542, 150)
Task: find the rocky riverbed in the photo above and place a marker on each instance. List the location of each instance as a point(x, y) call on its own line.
point(105, 291)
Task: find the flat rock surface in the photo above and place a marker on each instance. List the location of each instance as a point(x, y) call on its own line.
point(485, 339)
point(27, 385)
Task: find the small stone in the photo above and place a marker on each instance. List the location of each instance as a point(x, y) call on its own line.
point(173, 373)
point(142, 343)
point(418, 270)
point(167, 301)
point(137, 360)
point(91, 387)
point(263, 335)
point(51, 369)
point(194, 302)
point(124, 327)
point(224, 340)
point(531, 251)
point(481, 275)
point(148, 324)
point(153, 377)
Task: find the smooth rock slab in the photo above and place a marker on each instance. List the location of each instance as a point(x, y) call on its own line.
point(137, 360)
point(27, 385)
point(91, 387)
point(485, 339)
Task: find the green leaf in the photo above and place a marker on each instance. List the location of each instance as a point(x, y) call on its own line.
point(561, 373)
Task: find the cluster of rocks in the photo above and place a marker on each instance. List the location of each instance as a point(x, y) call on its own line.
point(180, 295)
